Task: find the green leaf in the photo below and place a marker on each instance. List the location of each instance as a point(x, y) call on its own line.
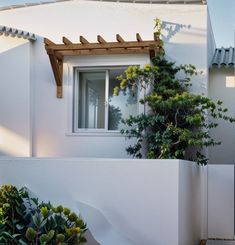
point(6, 234)
point(16, 235)
point(50, 234)
point(30, 234)
point(35, 201)
point(36, 221)
point(44, 238)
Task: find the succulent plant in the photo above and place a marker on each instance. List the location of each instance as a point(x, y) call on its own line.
point(24, 219)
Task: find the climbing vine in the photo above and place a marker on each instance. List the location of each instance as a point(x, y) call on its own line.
point(176, 123)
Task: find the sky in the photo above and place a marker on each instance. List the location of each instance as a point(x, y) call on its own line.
point(222, 13)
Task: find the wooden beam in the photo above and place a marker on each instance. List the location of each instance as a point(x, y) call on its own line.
point(108, 45)
point(66, 41)
point(48, 42)
point(83, 40)
point(120, 39)
point(100, 39)
point(102, 52)
point(138, 37)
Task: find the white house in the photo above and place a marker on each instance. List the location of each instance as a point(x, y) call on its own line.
point(44, 114)
point(46, 126)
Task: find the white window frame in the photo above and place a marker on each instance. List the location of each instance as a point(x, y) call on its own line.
point(106, 70)
point(98, 61)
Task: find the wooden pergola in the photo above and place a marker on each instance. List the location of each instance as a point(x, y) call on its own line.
point(56, 52)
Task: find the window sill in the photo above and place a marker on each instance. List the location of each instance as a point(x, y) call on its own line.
point(95, 134)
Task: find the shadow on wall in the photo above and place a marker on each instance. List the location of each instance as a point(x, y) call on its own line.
point(12, 144)
point(170, 29)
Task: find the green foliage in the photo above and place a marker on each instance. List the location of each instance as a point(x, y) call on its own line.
point(175, 121)
point(24, 220)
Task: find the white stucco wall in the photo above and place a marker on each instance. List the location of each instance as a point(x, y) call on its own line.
point(225, 132)
point(14, 97)
point(190, 222)
point(186, 43)
point(221, 201)
point(135, 196)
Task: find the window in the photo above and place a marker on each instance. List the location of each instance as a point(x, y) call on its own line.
point(95, 106)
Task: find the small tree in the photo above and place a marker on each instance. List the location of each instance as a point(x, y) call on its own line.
point(175, 121)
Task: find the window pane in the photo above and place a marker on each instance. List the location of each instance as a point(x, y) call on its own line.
point(91, 104)
point(121, 106)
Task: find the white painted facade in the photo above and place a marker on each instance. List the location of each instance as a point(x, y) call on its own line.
point(46, 122)
point(222, 87)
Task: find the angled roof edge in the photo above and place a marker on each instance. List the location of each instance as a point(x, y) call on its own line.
point(27, 3)
point(9, 31)
point(223, 57)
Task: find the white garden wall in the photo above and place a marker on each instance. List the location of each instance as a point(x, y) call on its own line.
point(154, 202)
point(221, 201)
point(51, 117)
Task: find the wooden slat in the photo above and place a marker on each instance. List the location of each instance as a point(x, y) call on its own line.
point(100, 39)
point(138, 37)
point(48, 42)
point(120, 39)
point(102, 52)
point(66, 41)
point(109, 45)
point(83, 40)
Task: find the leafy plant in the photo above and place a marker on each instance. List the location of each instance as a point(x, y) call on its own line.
point(24, 220)
point(175, 122)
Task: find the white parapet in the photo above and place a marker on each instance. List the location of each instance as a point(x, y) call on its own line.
point(152, 202)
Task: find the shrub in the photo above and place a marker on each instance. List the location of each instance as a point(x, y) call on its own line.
point(25, 220)
point(174, 121)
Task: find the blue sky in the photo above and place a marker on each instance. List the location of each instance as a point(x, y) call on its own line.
point(222, 14)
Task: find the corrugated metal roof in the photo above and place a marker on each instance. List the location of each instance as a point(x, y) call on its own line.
point(223, 57)
point(11, 4)
point(8, 31)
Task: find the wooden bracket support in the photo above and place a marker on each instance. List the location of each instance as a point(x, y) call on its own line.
point(56, 64)
point(57, 67)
